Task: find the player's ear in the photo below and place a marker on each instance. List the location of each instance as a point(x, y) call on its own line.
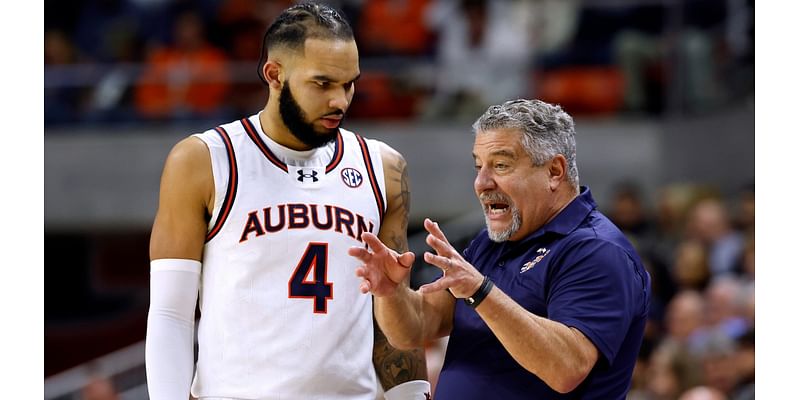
point(272, 71)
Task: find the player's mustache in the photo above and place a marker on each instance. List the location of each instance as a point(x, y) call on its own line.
point(337, 113)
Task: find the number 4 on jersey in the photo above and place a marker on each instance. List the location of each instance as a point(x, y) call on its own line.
point(318, 288)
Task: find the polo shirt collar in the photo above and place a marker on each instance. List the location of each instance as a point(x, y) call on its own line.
point(569, 218)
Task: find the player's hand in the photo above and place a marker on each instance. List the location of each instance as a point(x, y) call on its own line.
point(384, 269)
point(459, 276)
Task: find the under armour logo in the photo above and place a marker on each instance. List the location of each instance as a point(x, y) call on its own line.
point(303, 175)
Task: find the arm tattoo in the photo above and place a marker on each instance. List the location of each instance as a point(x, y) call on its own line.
point(393, 366)
point(402, 200)
point(405, 192)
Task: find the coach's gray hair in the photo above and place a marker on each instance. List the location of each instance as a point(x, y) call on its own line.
point(546, 129)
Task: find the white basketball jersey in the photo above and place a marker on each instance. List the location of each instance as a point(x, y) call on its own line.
point(282, 316)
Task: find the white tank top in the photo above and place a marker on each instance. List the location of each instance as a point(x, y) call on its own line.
point(282, 316)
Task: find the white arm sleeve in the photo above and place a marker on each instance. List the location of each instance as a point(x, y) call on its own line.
point(411, 390)
point(169, 346)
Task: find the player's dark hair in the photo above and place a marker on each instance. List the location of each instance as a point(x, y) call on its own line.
point(300, 22)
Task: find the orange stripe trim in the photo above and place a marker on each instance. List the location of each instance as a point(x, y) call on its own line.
point(373, 180)
point(251, 131)
point(233, 183)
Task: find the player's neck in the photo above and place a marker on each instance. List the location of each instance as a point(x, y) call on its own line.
point(273, 126)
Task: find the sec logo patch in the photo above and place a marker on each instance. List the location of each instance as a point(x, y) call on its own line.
point(351, 177)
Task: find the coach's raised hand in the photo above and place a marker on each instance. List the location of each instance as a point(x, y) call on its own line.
point(383, 269)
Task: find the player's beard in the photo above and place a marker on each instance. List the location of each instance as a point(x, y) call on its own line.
point(516, 218)
point(296, 120)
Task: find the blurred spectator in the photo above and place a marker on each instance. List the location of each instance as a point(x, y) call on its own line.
point(99, 388)
point(745, 360)
point(745, 215)
point(747, 268)
point(717, 357)
point(108, 30)
point(685, 319)
point(709, 223)
point(62, 102)
point(690, 269)
point(629, 214)
point(186, 80)
point(702, 393)
point(672, 203)
point(726, 307)
point(671, 371)
point(393, 28)
point(687, 52)
point(482, 54)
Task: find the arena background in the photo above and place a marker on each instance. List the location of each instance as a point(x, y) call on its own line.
point(104, 145)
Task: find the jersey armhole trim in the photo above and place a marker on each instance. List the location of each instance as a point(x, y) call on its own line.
point(230, 191)
point(337, 153)
point(373, 180)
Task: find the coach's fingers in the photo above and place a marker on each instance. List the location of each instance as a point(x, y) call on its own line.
point(442, 247)
point(438, 261)
point(433, 229)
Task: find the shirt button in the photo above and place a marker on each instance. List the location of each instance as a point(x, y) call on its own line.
point(501, 263)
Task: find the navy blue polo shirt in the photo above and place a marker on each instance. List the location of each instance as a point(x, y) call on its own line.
point(578, 269)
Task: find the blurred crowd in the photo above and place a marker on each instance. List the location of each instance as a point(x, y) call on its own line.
point(165, 60)
point(699, 247)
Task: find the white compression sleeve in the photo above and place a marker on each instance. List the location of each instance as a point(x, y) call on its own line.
point(169, 347)
point(411, 390)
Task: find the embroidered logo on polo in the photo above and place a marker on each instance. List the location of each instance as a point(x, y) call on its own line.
point(351, 177)
point(530, 264)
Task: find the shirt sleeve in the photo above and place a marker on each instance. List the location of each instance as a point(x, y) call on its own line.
point(594, 289)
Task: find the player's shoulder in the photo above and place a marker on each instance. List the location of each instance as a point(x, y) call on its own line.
point(188, 153)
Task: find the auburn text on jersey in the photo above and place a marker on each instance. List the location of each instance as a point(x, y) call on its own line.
point(273, 219)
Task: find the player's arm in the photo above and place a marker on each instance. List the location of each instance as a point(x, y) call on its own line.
point(397, 367)
point(176, 249)
point(408, 318)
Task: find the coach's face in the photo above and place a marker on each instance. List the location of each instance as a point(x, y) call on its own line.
point(318, 89)
point(516, 195)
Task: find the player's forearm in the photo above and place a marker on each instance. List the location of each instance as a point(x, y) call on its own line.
point(400, 317)
point(394, 366)
point(554, 352)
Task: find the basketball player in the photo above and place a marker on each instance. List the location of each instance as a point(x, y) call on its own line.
point(257, 215)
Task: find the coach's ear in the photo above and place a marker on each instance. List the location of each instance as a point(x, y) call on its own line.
point(272, 73)
point(558, 171)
